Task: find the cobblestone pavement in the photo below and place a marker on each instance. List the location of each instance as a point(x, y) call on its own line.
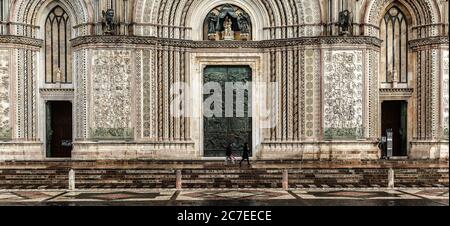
point(227, 197)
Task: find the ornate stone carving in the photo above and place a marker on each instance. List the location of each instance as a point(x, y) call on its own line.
point(5, 125)
point(343, 94)
point(81, 92)
point(57, 92)
point(417, 43)
point(137, 40)
point(111, 94)
point(9, 39)
point(445, 93)
point(396, 92)
point(311, 88)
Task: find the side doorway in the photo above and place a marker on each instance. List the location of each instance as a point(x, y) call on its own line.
point(59, 137)
point(394, 117)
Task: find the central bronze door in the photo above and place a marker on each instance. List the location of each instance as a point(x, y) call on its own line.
point(221, 131)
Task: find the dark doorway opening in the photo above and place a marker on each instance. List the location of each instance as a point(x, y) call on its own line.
point(59, 129)
point(394, 116)
point(218, 132)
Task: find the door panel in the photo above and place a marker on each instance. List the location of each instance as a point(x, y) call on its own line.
point(59, 129)
point(394, 116)
point(221, 131)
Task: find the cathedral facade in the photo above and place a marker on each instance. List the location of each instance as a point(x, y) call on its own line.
point(331, 79)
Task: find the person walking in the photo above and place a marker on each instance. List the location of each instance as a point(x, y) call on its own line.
point(229, 155)
point(245, 154)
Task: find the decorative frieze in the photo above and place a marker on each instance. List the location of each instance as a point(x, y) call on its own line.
point(396, 92)
point(56, 92)
point(343, 94)
point(5, 123)
point(141, 40)
point(440, 40)
point(111, 94)
point(20, 40)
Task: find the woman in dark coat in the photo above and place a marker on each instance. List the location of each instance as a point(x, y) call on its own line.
point(245, 154)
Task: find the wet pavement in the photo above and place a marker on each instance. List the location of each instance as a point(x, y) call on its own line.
point(228, 197)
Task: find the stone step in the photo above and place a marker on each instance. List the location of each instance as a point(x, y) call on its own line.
point(216, 176)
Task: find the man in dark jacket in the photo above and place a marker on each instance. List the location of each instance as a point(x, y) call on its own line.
point(245, 154)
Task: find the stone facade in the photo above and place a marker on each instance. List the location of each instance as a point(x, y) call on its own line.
point(330, 84)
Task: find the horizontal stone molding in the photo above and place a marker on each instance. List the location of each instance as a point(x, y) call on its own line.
point(139, 40)
point(21, 40)
point(423, 42)
point(57, 92)
point(396, 92)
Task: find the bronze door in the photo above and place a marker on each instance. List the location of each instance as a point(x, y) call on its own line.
point(221, 131)
point(59, 129)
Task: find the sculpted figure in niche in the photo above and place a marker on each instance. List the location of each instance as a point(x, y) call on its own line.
point(228, 31)
point(109, 25)
point(243, 23)
point(345, 22)
point(212, 21)
point(58, 76)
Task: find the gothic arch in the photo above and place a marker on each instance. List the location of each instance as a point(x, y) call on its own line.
point(289, 16)
point(423, 12)
point(33, 13)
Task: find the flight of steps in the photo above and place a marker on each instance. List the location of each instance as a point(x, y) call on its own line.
point(33, 178)
point(217, 175)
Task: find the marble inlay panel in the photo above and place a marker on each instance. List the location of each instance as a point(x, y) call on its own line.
point(5, 125)
point(111, 94)
point(343, 94)
point(445, 95)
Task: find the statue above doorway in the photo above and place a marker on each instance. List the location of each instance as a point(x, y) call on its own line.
point(229, 23)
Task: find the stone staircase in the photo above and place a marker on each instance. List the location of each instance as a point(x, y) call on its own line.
point(204, 175)
point(34, 178)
